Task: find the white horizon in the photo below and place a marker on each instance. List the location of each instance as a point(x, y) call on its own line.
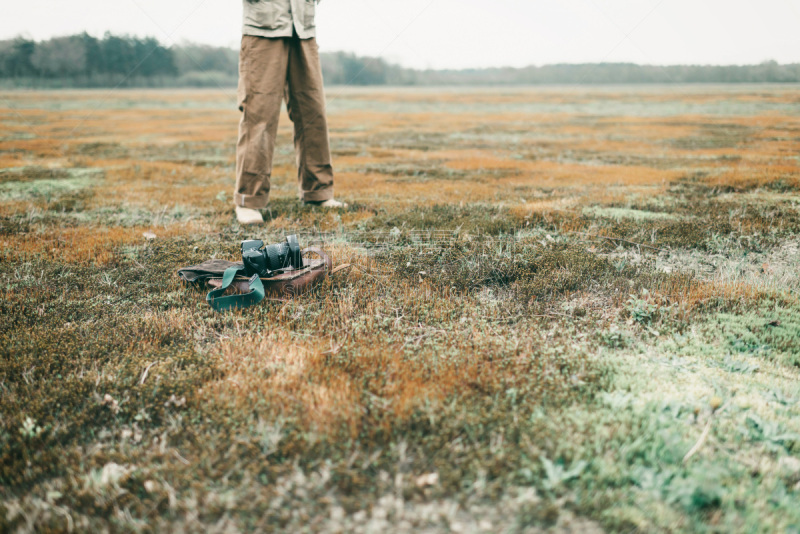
point(462, 34)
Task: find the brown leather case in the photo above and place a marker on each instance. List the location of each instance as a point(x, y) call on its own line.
point(290, 282)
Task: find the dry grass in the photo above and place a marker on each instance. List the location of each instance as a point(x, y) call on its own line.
point(514, 251)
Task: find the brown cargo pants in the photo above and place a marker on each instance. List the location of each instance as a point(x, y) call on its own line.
point(271, 70)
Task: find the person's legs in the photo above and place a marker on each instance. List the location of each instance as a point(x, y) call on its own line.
point(305, 102)
point(262, 77)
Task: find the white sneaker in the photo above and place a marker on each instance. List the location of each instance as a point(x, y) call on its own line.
point(332, 203)
point(248, 216)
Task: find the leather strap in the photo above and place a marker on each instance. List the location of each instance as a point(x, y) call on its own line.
point(206, 270)
point(340, 268)
point(222, 304)
point(322, 254)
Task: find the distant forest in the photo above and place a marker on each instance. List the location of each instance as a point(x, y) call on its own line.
point(123, 61)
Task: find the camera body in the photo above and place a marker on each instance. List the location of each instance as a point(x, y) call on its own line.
point(266, 261)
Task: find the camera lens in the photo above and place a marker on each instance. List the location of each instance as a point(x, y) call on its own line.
point(278, 256)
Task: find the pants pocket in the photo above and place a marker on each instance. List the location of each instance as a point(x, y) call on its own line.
point(241, 89)
point(241, 93)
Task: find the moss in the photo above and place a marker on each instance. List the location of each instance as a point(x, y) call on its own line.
point(468, 219)
point(414, 172)
point(626, 213)
point(62, 350)
point(767, 332)
point(530, 271)
point(32, 173)
point(45, 189)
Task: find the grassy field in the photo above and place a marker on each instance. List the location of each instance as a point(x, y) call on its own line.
point(570, 310)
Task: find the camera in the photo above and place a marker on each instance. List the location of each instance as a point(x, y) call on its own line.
point(266, 261)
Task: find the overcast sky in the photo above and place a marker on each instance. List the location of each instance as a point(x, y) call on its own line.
point(460, 33)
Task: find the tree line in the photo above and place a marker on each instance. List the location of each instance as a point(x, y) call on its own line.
point(113, 61)
point(124, 61)
point(616, 73)
point(83, 60)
